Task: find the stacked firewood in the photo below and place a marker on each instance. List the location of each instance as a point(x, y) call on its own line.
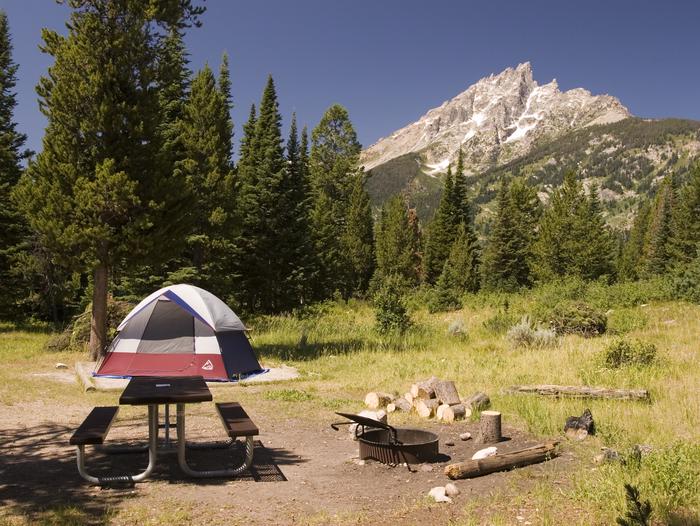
point(431, 398)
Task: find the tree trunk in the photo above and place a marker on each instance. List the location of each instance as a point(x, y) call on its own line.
point(515, 459)
point(98, 322)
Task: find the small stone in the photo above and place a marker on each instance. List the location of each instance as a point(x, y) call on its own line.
point(644, 449)
point(438, 494)
point(576, 434)
point(449, 443)
point(426, 467)
point(608, 455)
point(465, 436)
point(60, 365)
point(451, 490)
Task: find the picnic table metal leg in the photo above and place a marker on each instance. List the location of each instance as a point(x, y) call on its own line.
point(182, 458)
point(152, 454)
point(167, 425)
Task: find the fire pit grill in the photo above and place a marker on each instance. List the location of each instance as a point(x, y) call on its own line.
point(390, 445)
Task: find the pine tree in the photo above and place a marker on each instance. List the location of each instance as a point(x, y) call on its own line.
point(206, 135)
point(358, 239)
point(98, 197)
point(460, 199)
point(570, 226)
point(441, 232)
point(398, 242)
point(658, 251)
point(296, 207)
point(341, 216)
point(263, 176)
point(631, 258)
point(12, 225)
point(686, 221)
point(460, 273)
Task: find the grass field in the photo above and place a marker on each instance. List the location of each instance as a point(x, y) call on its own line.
point(341, 357)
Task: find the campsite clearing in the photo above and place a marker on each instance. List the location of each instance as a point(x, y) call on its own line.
point(340, 358)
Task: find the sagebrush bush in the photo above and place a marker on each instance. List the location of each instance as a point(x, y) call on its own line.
point(390, 310)
point(526, 334)
point(457, 328)
point(622, 352)
point(576, 317)
point(622, 321)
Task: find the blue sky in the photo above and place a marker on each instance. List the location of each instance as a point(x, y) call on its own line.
point(389, 61)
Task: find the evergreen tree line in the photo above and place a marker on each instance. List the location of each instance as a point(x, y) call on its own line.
point(530, 242)
point(135, 185)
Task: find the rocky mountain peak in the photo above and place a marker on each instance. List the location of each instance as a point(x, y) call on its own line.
point(498, 118)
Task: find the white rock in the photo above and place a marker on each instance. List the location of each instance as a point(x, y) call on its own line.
point(465, 436)
point(451, 490)
point(60, 365)
point(438, 494)
point(484, 453)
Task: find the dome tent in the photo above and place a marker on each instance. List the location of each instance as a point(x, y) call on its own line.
point(180, 330)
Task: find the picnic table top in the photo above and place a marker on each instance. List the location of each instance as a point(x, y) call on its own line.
point(145, 390)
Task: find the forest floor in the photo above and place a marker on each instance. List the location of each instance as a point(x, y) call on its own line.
point(307, 473)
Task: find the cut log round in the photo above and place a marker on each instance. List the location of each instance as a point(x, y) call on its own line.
point(582, 391)
point(501, 462)
point(446, 392)
point(478, 401)
point(490, 427)
point(409, 398)
point(425, 389)
point(426, 407)
point(400, 404)
point(390, 408)
point(375, 400)
point(441, 410)
point(454, 412)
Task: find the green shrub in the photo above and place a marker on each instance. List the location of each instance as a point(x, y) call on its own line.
point(499, 322)
point(457, 328)
point(575, 317)
point(686, 284)
point(525, 334)
point(622, 352)
point(390, 310)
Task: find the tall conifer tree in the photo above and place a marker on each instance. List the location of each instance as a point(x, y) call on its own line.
point(441, 232)
point(98, 196)
point(658, 256)
point(12, 225)
point(398, 242)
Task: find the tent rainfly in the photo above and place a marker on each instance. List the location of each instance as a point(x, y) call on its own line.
point(180, 330)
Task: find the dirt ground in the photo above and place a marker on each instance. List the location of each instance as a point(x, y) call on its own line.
point(304, 472)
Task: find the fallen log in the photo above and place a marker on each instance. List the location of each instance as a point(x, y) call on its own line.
point(86, 379)
point(502, 462)
point(446, 392)
point(583, 391)
point(376, 400)
point(426, 408)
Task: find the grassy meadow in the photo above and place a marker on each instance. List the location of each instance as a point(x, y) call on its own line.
point(340, 357)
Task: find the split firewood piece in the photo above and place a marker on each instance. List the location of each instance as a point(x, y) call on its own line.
point(446, 392)
point(408, 397)
point(454, 412)
point(375, 400)
point(440, 411)
point(501, 462)
point(490, 427)
point(426, 407)
point(581, 391)
point(425, 389)
point(478, 401)
point(400, 404)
